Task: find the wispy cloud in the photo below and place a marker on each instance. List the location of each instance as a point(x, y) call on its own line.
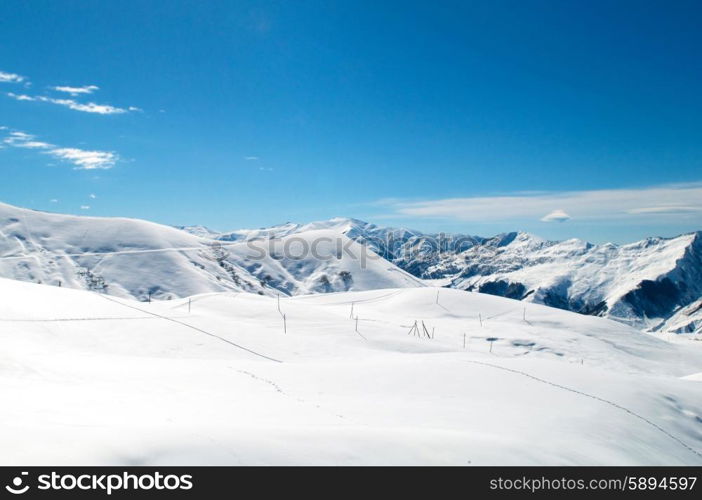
point(86, 160)
point(90, 107)
point(664, 202)
point(556, 216)
point(81, 159)
point(75, 91)
point(21, 140)
point(21, 97)
point(11, 78)
point(251, 158)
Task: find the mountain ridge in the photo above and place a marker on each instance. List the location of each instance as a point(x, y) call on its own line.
point(653, 284)
point(643, 283)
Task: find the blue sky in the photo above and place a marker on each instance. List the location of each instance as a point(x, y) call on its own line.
point(565, 119)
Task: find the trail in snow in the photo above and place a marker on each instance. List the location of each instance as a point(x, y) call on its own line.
point(592, 396)
point(192, 328)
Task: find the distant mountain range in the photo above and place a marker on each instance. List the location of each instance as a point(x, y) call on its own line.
point(654, 284)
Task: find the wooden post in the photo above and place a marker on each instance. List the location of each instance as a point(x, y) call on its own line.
point(285, 324)
point(524, 314)
point(351, 314)
point(464, 341)
point(278, 302)
point(437, 296)
point(357, 323)
point(432, 332)
point(149, 297)
point(189, 301)
point(426, 330)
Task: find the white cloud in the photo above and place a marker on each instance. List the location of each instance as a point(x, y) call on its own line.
point(74, 91)
point(85, 207)
point(53, 200)
point(90, 107)
point(10, 77)
point(665, 202)
point(21, 140)
point(556, 216)
point(34, 145)
point(81, 159)
point(86, 160)
point(21, 97)
point(669, 209)
point(16, 135)
point(92, 196)
point(251, 158)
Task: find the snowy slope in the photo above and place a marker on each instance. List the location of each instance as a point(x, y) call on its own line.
point(133, 258)
point(96, 379)
point(686, 320)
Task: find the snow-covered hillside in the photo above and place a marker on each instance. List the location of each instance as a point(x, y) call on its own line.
point(122, 257)
point(90, 378)
point(135, 258)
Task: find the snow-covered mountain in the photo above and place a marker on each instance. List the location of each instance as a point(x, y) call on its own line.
point(123, 257)
point(653, 284)
point(138, 259)
point(649, 284)
point(642, 284)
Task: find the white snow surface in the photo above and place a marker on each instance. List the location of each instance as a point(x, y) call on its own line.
point(89, 378)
